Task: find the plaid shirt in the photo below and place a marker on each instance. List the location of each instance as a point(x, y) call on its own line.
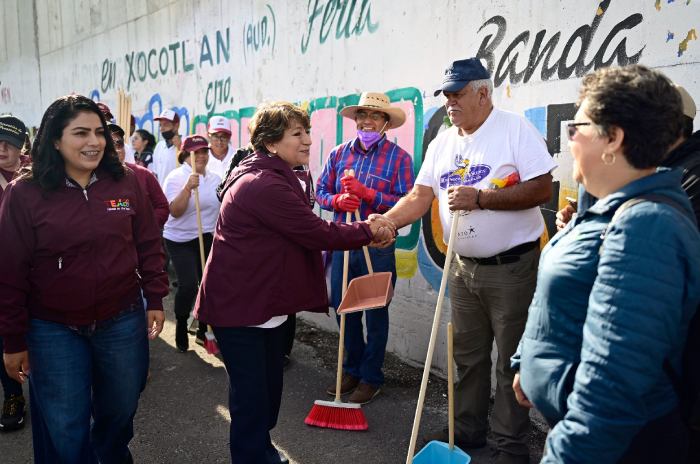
point(386, 167)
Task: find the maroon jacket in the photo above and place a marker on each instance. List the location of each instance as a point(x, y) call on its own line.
point(151, 187)
point(265, 260)
point(74, 256)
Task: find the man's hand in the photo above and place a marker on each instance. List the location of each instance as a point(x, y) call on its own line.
point(17, 365)
point(519, 395)
point(462, 198)
point(345, 202)
point(386, 230)
point(357, 188)
point(564, 215)
point(154, 323)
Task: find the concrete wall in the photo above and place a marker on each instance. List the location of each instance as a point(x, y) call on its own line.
point(222, 57)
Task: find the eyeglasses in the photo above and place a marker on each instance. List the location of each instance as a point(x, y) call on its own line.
point(118, 143)
point(572, 128)
point(362, 115)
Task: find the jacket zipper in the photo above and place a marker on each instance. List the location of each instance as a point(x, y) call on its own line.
point(60, 263)
point(85, 194)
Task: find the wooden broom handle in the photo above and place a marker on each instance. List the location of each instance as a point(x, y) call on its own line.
point(368, 260)
point(341, 341)
point(199, 215)
point(450, 386)
point(433, 336)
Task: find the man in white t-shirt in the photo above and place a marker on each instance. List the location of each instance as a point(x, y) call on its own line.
point(492, 168)
point(165, 153)
point(220, 150)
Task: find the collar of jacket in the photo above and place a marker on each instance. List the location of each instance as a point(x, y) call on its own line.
point(73, 184)
point(663, 178)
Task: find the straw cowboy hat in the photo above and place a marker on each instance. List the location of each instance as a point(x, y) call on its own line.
point(375, 101)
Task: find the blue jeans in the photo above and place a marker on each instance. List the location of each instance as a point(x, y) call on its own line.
point(254, 361)
point(83, 373)
point(364, 360)
point(10, 386)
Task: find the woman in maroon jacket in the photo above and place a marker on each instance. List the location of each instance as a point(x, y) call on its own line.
point(265, 264)
point(84, 242)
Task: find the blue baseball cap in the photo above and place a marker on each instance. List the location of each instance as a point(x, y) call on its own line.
point(460, 73)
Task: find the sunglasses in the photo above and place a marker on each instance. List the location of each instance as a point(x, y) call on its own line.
point(572, 128)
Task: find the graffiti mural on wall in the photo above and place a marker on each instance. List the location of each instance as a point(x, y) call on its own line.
point(260, 34)
point(347, 16)
point(509, 67)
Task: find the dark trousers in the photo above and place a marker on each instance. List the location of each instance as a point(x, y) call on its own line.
point(290, 329)
point(10, 386)
point(185, 258)
point(254, 361)
point(364, 360)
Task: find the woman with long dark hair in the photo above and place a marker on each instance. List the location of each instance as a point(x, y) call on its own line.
point(144, 143)
point(84, 243)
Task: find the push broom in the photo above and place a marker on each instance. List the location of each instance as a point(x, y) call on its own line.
point(336, 414)
point(209, 340)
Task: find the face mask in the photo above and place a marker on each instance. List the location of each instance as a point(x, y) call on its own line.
point(168, 135)
point(370, 138)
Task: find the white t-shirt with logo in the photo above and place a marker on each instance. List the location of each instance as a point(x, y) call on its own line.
point(129, 154)
point(220, 167)
point(184, 228)
point(164, 161)
point(504, 151)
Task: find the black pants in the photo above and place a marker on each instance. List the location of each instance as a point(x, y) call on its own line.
point(185, 258)
point(253, 359)
point(662, 440)
point(290, 328)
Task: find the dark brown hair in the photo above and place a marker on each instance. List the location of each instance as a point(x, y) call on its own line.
point(640, 101)
point(48, 168)
point(271, 120)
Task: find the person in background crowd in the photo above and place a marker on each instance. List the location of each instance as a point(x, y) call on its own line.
point(493, 169)
point(615, 292)
point(181, 233)
point(109, 117)
point(129, 151)
point(166, 151)
point(383, 174)
point(13, 136)
point(149, 183)
point(71, 308)
point(220, 150)
point(268, 241)
point(144, 143)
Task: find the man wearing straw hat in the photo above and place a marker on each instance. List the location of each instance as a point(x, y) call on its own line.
point(493, 168)
point(383, 173)
point(165, 153)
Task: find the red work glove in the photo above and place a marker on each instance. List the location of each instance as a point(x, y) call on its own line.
point(357, 188)
point(345, 202)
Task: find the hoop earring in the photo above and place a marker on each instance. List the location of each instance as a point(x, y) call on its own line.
point(605, 159)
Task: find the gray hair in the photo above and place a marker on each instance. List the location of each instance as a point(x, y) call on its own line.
point(477, 84)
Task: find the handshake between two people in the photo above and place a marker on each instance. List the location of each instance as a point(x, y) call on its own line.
point(354, 192)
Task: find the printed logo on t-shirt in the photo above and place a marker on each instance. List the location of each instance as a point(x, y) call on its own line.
point(120, 204)
point(464, 174)
point(467, 232)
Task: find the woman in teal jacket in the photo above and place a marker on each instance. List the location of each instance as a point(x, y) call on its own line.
point(614, 300)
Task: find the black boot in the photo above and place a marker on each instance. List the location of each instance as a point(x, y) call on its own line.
point(182, 341)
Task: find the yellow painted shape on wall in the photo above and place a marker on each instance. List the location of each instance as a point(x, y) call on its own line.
point(436, 227)
point(406, 263)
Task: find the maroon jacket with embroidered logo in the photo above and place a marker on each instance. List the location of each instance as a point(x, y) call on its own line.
point(74, 256)
point(265, 260)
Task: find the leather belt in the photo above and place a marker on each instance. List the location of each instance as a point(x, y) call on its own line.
point(507, 257)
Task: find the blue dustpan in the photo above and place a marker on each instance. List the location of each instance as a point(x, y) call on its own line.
point(437, 452)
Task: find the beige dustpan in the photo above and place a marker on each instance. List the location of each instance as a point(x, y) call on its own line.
point(370, 291)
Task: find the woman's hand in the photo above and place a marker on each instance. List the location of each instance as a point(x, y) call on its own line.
point(519, 395)
point(383, 230)
point(17, 365)
point(192, 182)
point(154, 323)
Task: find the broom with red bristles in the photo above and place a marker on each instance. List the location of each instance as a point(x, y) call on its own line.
point(336, 414)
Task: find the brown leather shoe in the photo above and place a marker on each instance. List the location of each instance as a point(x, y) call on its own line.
point(364, 393)
point(347, 384)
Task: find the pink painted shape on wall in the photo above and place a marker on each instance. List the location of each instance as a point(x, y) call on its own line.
point(323, 136)
point(235, 138)
point(245, 136)
point(201, 129)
